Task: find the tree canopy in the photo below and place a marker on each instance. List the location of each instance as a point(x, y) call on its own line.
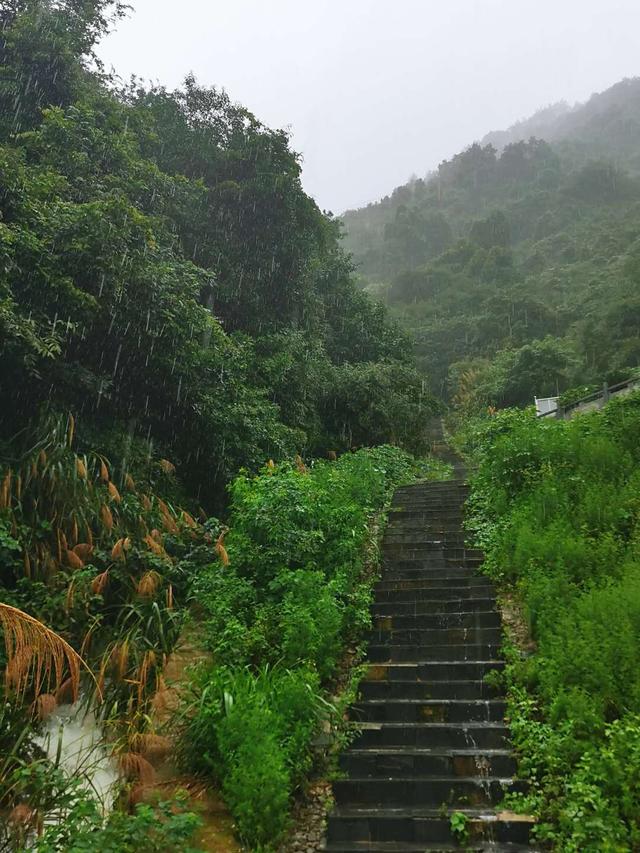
point(162, 268)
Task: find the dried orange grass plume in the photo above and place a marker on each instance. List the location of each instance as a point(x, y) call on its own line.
point(120, 547)
point(148, 584)
point(99, 583)
point(167, 467)
point(22, 815)
point(5, 490)
point(84, 550)
point(71, 427)
point(151, 746)
point(36, 655)
point(144, 671)
point(221, 551)
point(119, 657)
point(44, 706)
point(106, 516)
point(134, 766)
point(169, 524)
point(73, 560)
point(154, 546)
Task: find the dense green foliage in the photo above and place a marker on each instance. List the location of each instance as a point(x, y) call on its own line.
point(150, 829)
point(515, 265)
point(163, 271)
point(173, 309)
point(100, 557)
point(297, 590)
point(555, 505)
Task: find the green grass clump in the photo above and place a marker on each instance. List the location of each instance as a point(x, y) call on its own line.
point(556, 506)
point(302, 552)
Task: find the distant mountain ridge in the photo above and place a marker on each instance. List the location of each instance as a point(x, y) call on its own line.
point(608, 119)
point(518, 253)
point(601, 123)
point(542, 124)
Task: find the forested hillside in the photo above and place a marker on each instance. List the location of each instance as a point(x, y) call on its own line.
point(176, 315)
point(164, 275)
point(516, 263)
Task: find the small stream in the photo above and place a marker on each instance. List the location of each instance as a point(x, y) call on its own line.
point(72, 737)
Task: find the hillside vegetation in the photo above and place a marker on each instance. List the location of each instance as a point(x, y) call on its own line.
point(164, 276)
point(515, 265)
point(555, 506)
point(176, 314)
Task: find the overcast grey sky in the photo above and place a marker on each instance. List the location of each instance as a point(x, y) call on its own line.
point(374, 90)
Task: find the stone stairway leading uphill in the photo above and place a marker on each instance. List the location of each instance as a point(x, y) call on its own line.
point(432, 741)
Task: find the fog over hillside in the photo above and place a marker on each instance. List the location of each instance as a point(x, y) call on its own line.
point(609, 119)
point(521, 249)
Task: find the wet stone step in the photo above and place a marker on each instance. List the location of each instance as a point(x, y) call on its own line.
point(474, 670)
point(431, 507)
point(433, 762)
point(402, 689)
point(438, 636)
point(453, 509)
point(436, 492)
point(456, 558)
point(427, 710)
point(423, 524)
point(421, 510)
point(432, 735)
point(450, 500)
point(424, 826)
point(449, 506)
point(413, 573)
point(432, 790)
point(423, 533)
point(433, 526)
point(427, 537)
point(432, 593)
point(470, 582)
point(435, 546)
point(433, 487)
point(444, 550)
point(427, 554)
point(408, 847)
point(429, 528)
point(407, 607)
point(381, 652)
point(457, 619)
point(443, 506)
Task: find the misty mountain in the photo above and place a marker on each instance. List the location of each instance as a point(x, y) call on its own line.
point(522, 249)
point(607, 125)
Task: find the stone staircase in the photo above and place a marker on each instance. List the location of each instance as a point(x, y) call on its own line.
point(432, 741)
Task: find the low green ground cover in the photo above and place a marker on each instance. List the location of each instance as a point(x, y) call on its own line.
point(555, 505)
point(302, 555)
